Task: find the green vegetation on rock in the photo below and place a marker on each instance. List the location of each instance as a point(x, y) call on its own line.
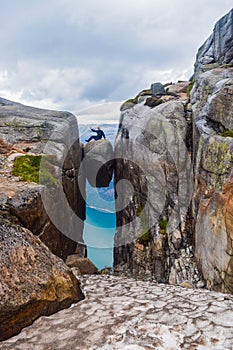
point(227, 133)
point(190, 86)
point(163, 225)
point(133, 101)
point(145, 92)
point(29, 169)
point(145, 235)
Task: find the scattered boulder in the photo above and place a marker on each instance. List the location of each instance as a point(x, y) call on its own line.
point(98, 163)
point(84, 265)
point(33, 281)
point(158, 89)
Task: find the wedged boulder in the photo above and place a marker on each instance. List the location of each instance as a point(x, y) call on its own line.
point(98, 163)
point(84, 265)
point(33, 281)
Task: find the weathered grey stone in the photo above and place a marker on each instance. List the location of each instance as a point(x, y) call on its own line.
point(98, 163)
point(33, 281)
point(212, 200)
point(157, 89)
point(151, 164)
point(218, 48)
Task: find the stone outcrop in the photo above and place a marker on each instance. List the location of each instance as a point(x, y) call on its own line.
point(212, 97)
point(34, 282)
point(175, 225)
point(153, 179)
point(218, 48)
point(98, 163)
point(43, 208)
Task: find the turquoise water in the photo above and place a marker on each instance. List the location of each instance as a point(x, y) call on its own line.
point(99, 233)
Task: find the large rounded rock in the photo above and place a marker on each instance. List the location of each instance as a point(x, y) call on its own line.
point(33, 281)
point(98, 163)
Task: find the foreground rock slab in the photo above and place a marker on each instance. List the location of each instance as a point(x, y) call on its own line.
point(33, 281)
point(120, 313)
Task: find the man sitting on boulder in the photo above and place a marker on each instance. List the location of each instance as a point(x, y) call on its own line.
point(99, 135)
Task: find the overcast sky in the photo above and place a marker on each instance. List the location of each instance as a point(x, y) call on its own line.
point(73, 54)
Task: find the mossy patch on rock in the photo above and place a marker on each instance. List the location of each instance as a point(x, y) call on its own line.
point(190, 87)
point(217, 156)
point(133, 101)
point(35, 168)
point(145, 235)
point(227, 133)
point(163, 223)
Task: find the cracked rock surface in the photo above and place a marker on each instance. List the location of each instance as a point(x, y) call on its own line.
point(121, 313)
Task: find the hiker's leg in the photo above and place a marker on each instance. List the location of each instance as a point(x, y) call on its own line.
point(91, 138)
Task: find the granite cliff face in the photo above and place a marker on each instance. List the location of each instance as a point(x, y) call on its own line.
point(218, 48)
point(212, 98)
point(43, 208)
point(174, 175)
point(154, 185)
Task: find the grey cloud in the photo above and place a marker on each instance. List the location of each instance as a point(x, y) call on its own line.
point(71, 53)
